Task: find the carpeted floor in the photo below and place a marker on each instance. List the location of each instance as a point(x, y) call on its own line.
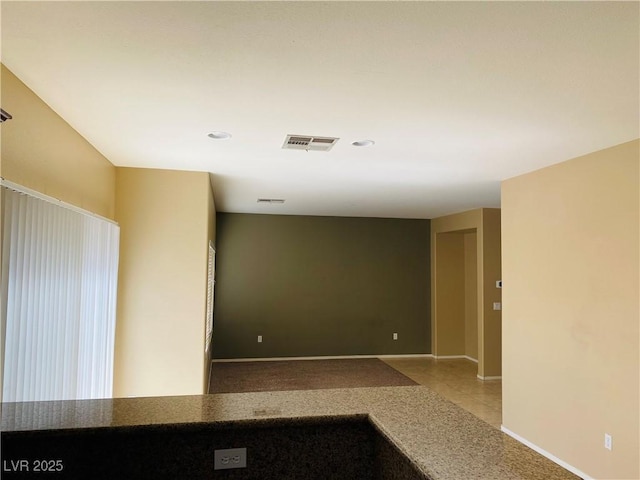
point(237, 377)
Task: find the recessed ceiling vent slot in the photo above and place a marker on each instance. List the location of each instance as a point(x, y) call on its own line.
point(271, 200)
point(308, 142)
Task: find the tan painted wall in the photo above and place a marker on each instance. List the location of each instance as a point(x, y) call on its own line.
point(571, 310)
point(490, 329)
point(164, 227)
point(486, 223)
point(42, 152)
point(471, 295)
point(450, 285)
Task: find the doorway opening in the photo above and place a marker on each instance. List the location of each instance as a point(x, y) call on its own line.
point(466, 316)
point(457, 294)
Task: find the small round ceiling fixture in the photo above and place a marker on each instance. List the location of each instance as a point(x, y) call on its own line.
point(363, 143)
point(219, 135)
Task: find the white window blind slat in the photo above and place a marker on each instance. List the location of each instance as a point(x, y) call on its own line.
point(59, 279)
point(211, 275)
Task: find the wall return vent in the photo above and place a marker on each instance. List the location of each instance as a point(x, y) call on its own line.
point(308, 142)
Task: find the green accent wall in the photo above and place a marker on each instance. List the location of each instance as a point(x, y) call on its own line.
point(314, 286)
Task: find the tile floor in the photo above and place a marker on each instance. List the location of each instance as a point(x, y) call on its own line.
point(456, 380)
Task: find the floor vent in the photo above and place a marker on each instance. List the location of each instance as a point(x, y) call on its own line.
point(308, 142)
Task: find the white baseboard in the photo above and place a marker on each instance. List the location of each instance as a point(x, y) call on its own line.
point(544, 453)
point(409, 355)
point(497, 377)
point(327, 357)
point(451, 357)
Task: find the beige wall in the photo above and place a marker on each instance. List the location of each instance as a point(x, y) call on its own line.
point(450, 285)
point(41, 151)
point(486, 223)
point(571, 310)
point(490, 328)
point(165, 224)
point(471, 294)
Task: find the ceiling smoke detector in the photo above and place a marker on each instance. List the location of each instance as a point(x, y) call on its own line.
point(308, 142)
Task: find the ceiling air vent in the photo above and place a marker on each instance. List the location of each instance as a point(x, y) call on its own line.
point(271, 200)
point(308, 142)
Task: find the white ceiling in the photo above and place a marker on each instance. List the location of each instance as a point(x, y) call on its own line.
point(457, 96)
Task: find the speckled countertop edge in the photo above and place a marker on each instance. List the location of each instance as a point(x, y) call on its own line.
point(444, 441)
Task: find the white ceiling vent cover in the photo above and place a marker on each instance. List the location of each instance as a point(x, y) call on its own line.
point(308, 142)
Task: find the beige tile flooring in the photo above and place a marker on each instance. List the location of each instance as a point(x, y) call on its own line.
point(456, 380)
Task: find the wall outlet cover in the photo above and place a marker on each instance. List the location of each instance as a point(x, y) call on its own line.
point(229, 458)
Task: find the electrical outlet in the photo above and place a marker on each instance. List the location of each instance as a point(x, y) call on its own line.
point(497, 306)
point(259, 338)
point(395, 336)
point(229, 458)
point(608, 441)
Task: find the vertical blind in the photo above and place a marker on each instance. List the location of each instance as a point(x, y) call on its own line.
point(211, 281)
point(59, 281)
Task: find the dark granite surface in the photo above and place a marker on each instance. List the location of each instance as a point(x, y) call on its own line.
point(315, 449)
point(442, 440)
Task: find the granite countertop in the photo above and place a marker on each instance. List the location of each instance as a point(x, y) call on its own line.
point(444, 441)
